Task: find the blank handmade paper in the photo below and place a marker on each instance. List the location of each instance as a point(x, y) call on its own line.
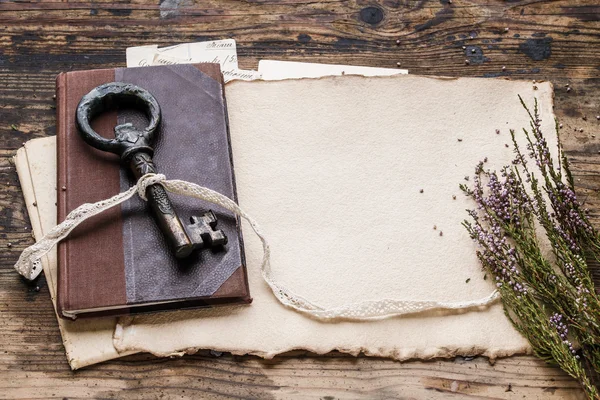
point(353, 180)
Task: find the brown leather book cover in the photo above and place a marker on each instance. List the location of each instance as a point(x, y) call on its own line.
point(118, 262)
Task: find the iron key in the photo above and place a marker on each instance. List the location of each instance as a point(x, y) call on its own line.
point(134, 147)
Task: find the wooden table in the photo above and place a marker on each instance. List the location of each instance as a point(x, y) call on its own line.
point(536, 40)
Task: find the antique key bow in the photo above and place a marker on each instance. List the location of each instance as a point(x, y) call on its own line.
point(135, 149)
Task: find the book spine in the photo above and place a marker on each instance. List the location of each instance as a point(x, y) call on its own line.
point(247, 299)
point(62, 299)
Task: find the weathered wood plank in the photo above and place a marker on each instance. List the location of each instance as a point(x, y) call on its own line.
point(546, 40)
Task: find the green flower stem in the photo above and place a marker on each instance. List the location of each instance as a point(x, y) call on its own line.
point(551, 301)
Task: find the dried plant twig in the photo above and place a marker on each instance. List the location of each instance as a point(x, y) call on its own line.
point(549, 296)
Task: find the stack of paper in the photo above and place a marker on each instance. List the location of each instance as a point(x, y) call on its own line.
point(347, 177)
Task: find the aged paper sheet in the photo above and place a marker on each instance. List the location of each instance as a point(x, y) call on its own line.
point(223, 52)
point(333, 170)
point(89, 342)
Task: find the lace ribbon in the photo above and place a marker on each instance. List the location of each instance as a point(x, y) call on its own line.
point(29, 264)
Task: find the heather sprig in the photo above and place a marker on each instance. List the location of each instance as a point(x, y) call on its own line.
point(535, 238)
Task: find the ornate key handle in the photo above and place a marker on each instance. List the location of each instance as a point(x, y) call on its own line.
point(135, 149)
point(108, 97)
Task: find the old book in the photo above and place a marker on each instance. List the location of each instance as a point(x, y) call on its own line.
point(118, 262)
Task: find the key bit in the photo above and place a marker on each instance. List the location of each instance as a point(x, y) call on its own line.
point(202, 231)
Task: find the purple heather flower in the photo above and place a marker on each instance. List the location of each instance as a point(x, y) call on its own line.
point(505, 221)
point(569, 270)
point(556, 321)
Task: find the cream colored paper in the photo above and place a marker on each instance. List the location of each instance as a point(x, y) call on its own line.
point(223, 52)
point(277, 70)
point(333, 170)
point(140, 56)
point(86, 341)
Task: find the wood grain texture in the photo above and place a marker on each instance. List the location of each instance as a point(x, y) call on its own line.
point(546, 40)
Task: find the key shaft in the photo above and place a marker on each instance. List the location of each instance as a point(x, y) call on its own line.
point(162, 208)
